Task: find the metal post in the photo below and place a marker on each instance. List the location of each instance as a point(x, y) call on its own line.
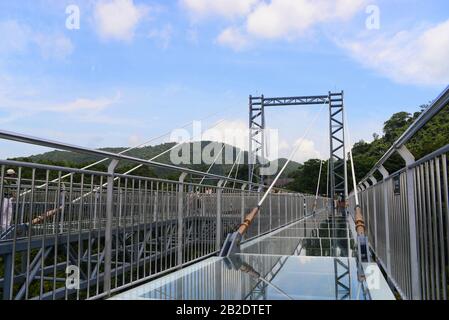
point(219, 225)
point(414, 256)
point(256, 137)
point(108, 230)
point(180, 217)
point(374, 181)
point(242, 199)
point(385, 175)
point(337, 161)
point(8, 276)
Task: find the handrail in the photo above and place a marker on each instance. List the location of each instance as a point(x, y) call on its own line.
point(12, 136)
point(439, 103)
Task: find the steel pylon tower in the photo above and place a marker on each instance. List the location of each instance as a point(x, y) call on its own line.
point(337, 161)
point(256, 138)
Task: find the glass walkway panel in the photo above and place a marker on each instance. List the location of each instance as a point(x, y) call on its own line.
point(309, 260)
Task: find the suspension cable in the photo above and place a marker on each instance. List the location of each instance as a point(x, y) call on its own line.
point(232, 242)
point(354, 180)
point(212, 164)
point(232, 168)
point(290, 158)
point(120, 153)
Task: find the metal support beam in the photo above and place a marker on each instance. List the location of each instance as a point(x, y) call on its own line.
point(242, 208)
point(414, 256)
point(337, 163)
point(108, 229)
point(219, 224)
point(256, 138)
point(385, 174)
point(180, 219)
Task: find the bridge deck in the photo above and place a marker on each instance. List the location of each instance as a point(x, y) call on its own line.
point(310, 259)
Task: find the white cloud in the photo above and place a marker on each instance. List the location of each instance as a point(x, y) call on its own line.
point(417, 57)
point(15, 37)
point(236, 133)
point(225, 8)
point(275, 19)
point(19, 38)
point(84, 105)
point(162, 36)
point(20, 99)
point(56, 46)
point(306, 151)
point(118, 19)
point(135, 140)
point(232, 132)
point(234, 38)
point(288, 19)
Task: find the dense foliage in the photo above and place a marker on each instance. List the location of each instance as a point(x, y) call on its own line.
point(432, 137)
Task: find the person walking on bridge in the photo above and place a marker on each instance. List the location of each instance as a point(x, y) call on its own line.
point(8, 197)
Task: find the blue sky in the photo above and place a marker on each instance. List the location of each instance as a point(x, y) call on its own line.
point(135, 69)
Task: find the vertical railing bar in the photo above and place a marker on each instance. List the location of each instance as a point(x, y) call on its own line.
point(99, 219)
point(56, 233)
point(429, 230)
point(69, 226)
point(89, 230)
point(81, 218)
point(41, 289)
point(425, 231)
point(435, 228)
point(118, 216)
point(30, 231)
point(441, 230)
point(145, 228)
point(419, 214)
point(446, 200)
point(125, 225)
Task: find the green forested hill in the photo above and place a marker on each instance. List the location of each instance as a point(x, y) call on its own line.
point(75, 160)
point(432, 137)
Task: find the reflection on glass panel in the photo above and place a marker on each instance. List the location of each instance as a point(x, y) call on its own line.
point(330, 247)
point(312, 233)
point(257, 277)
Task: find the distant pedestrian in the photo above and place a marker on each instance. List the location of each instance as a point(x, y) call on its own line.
point(341, 205)
point(8, 197)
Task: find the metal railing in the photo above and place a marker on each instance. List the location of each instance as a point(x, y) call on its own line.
point(407, 215)
point(93, 233)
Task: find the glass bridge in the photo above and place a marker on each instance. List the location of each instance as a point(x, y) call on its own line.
point(313, 259)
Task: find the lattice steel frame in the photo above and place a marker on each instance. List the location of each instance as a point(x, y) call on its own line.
point(337, 161)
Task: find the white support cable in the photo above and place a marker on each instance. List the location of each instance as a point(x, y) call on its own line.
point(289, 159)
point(237, 172)
point(212, 164)
point(172, 148)
point(354, 180)
point(232, 168)
point(141, 165)
point(120, 153)
point(319, 180)
point(327, 180)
